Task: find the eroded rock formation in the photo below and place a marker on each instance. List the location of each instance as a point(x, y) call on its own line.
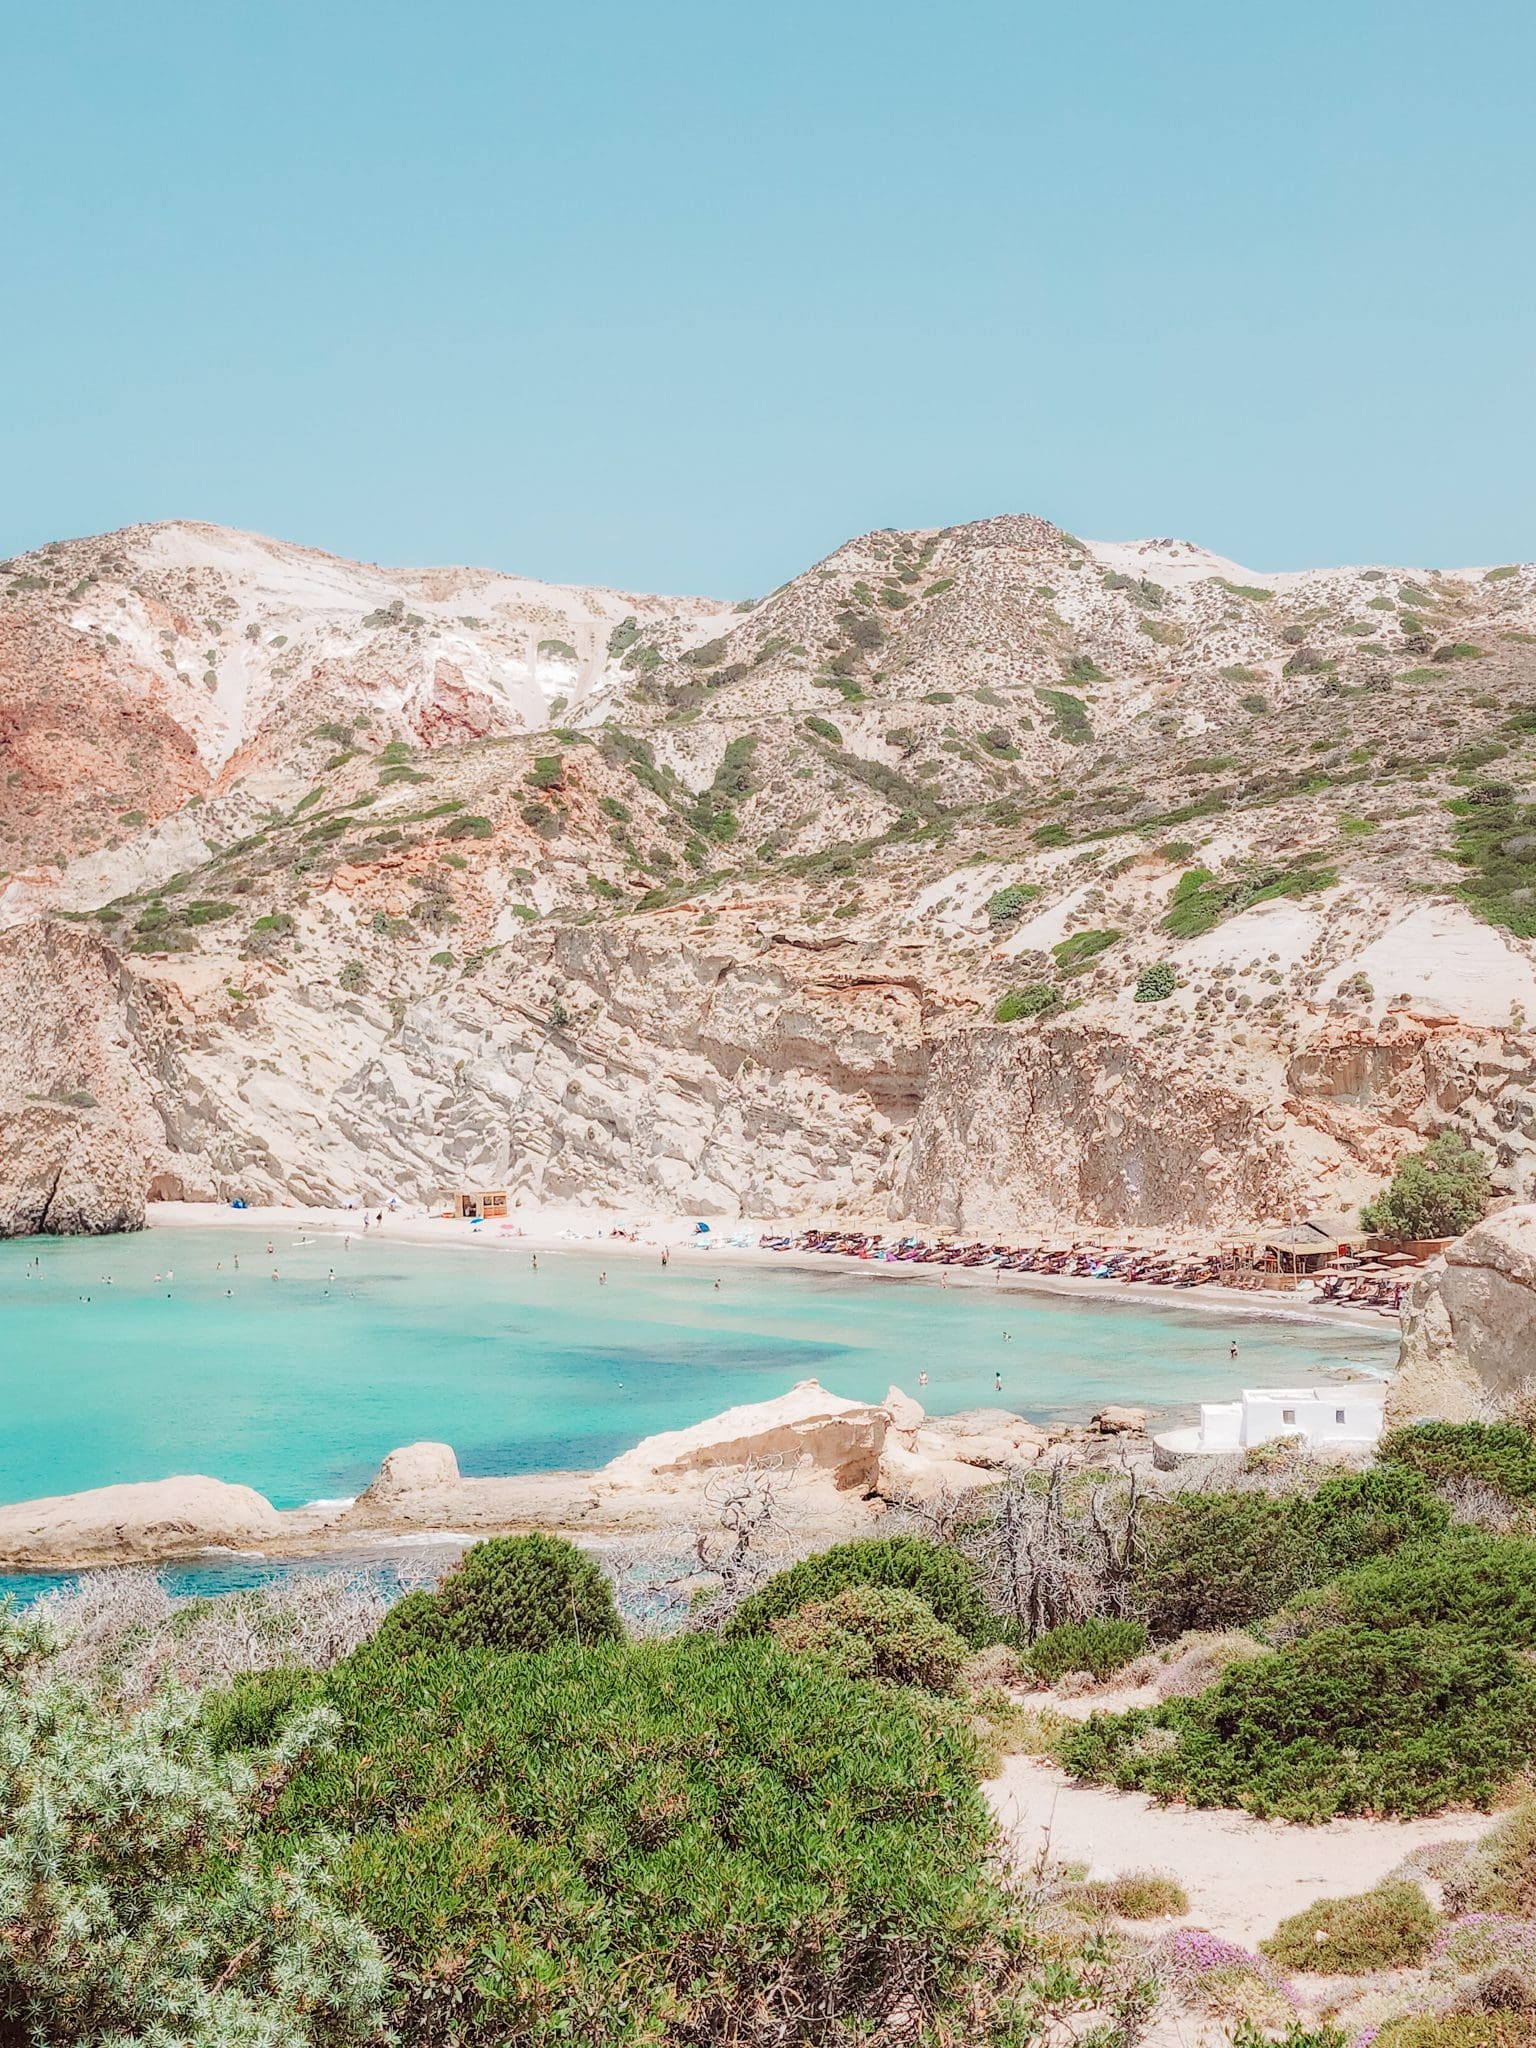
point(1469, 1324)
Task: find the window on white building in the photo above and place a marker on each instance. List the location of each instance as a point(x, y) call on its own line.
point(1338, 1414)
point(1287, 1414)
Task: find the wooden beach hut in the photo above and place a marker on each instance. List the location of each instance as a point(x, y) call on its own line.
point(473, 1204)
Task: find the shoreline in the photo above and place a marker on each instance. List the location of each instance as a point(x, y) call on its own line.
point(554, 1231)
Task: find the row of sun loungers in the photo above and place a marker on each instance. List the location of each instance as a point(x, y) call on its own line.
point(1085, 1262)
point(1082, 1261)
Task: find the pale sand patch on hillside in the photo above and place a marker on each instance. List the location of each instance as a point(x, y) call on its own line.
point(1243, 1876)
point(1446, 963)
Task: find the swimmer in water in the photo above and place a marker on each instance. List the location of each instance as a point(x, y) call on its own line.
point(997, 1381)
point(602, 1279)
point(535, 1262)
point(922, 1379)
point(1233, 1352)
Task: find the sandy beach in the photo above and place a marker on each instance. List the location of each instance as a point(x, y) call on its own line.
point(621, 1235)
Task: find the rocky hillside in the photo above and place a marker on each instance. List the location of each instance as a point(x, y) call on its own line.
point(985, 877)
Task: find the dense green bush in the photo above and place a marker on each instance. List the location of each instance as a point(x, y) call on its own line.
point(1485, 1585)
point(1218, 1560)
point(1006, 906)
point(1388, 1928)
point(133, 1904)
point(1035, 999)
point(1360, 1515)
point(1200, 901)
point(945, 1579)
point(1350, 1720)
point(1081, 948)
point(1097, 1645)
point(513, 1593)
point(1157, 983)
point(880, 1632)
point(1500, 1453)
point(1439, 1192)
point(668, 1844)
point(1223, 1560)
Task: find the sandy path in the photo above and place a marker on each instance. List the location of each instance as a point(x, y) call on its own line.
point(1243, 1876)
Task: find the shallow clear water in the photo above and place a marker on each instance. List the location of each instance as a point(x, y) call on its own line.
point(299, 1385)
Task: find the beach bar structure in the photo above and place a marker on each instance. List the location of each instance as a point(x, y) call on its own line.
point(475, 1203)
point(1322, 1417)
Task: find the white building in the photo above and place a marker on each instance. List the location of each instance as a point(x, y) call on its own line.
point(1349, 1417)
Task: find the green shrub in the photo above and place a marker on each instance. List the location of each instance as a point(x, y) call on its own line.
point(1035, 999)
point(1133, 1895)
point(1218, 1561)
point(824, 729)
point(1484, 1585)
point(1156, 984)
point(880, 1632)
point(1200, 902)
point(1069, 715)
point(1350, 1720)
point(945, 1579)
point(1006, 906)
point(133, 1903)
point(671, 1843)
point(1385, 1929)
point(468, 828)
point(1098, 1645)
point(1082, 947)
point(512, 1593)
point(1439, 1192)
point(1223, 1560)
point(1501, 1453)
point(1361, 1515)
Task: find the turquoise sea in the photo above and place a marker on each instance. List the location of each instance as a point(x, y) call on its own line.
point(298, 1385)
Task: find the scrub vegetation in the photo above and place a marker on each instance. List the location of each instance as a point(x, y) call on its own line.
point(520, 1809)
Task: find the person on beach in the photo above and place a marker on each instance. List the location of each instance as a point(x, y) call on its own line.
point(663, 1255)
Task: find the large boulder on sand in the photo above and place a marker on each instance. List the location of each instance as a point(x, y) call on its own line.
point(67, 1172)
point(1469, 1323)
point(413, 1469)
point(807, 1430)
point(127, 1524)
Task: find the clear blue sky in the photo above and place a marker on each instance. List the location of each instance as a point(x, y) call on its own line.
point(678, 295)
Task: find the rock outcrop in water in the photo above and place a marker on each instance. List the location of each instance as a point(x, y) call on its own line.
point(843, 1463)
point(135, 1524)
point(67, 1172)
point(1469, 1323)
